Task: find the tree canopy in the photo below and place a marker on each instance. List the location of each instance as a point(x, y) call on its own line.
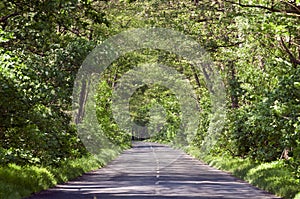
point(255, 47)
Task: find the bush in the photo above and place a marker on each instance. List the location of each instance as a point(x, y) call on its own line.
point(21, 181)
point(275, 177)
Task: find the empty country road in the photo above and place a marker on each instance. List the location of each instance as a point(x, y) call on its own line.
point(150, 170)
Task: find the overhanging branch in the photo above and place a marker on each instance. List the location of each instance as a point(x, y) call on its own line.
point(294, 12)
point(293, 59)
point(5, 18)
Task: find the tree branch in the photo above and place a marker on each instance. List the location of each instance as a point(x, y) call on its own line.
point(5, 18)
point(295, 12)
point(230, 45)
point(293, 59)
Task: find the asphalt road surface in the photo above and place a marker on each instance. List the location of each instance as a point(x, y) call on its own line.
point(150, 170)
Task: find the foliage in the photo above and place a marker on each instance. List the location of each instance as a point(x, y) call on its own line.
point(36, 96)
point(275, 177)
point(254, 46)
point(106, 120)
point(21, 181)
point(38, 25)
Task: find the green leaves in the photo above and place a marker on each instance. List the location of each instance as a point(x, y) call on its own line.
point(255, 47)
point(34, 105)
point(38, 24)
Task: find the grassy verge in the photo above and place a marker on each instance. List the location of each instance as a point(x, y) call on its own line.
point(18, 182)
point(274, 177)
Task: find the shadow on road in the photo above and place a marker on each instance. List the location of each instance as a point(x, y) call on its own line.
point(151, 170)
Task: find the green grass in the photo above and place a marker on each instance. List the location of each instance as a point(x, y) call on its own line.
point(18, 182)
point(274, 177)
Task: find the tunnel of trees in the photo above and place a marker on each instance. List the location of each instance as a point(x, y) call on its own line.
point(255, 46)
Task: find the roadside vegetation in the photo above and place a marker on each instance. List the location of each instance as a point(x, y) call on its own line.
point(275, 177)
point(21, 181)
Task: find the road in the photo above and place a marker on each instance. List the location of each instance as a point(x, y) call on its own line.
point(150, 170)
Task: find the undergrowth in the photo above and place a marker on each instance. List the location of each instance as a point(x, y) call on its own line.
point(275, 177)
point(21, 181)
